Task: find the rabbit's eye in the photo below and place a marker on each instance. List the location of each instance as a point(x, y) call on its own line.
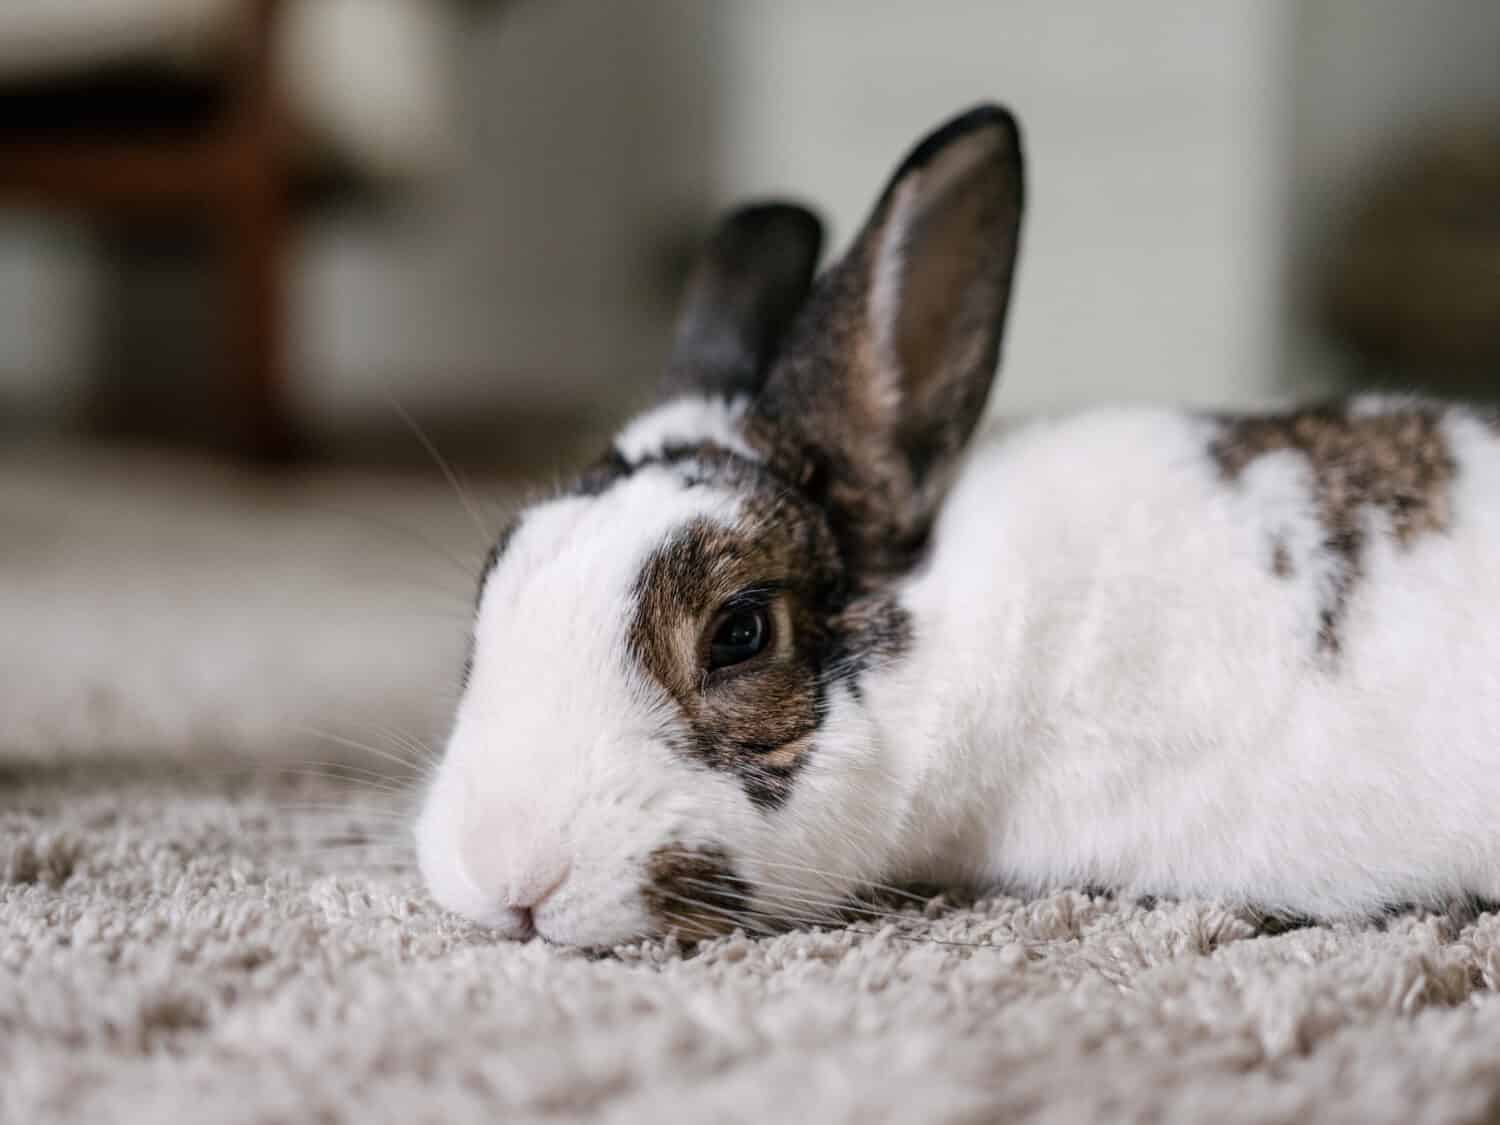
point(740, 634)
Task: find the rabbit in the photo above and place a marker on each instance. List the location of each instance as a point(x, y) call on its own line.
point(799, 633)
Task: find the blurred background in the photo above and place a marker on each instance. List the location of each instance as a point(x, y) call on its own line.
point(240, 233)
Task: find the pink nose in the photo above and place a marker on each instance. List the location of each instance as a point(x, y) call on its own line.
point(536, 887)
point(515, 876)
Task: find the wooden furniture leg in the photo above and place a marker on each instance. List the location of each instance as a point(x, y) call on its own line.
point(257, 236)
point(236, 175)
point(254, 250)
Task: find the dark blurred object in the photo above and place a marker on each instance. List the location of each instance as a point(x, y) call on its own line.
point(1412, 285)
point(138, 142)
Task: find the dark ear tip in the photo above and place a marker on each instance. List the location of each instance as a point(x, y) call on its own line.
point(986, 115)
point(773, 219)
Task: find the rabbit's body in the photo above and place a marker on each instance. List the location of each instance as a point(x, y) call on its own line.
point(1135, 663)
point(786, 640)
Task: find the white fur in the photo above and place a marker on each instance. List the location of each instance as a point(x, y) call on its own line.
point(688, 420)
point(1111, 685)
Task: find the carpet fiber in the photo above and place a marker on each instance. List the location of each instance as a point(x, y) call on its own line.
point(192, 927)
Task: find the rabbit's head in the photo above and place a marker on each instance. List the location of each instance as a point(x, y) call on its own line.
point(666, 721)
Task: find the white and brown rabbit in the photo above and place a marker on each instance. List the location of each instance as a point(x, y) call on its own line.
point(796, 634)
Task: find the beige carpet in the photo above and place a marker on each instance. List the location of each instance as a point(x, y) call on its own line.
point(185, 938)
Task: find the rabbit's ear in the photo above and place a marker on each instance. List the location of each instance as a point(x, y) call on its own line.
point(746, 288)
point(882, 379)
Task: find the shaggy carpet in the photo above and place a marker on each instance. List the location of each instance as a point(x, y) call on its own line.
point(199, 924)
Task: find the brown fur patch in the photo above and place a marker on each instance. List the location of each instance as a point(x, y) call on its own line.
point(872, 628)
point(603, 474)
point(756, 720)
point(694, 892)
point(1397, 463)
point(1281, 560)
point(753, 719)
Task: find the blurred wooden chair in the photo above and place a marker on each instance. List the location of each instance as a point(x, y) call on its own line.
point(227, 114)
point(125, 141)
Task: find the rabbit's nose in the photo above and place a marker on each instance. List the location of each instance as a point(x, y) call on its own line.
point(522, 908)
point(514, 877)
point(535, 889)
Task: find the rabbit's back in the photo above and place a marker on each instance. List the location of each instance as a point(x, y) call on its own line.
point(1254, 656)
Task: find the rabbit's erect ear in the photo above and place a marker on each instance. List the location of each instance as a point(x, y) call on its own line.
point(882, 379)
point(745, 290)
